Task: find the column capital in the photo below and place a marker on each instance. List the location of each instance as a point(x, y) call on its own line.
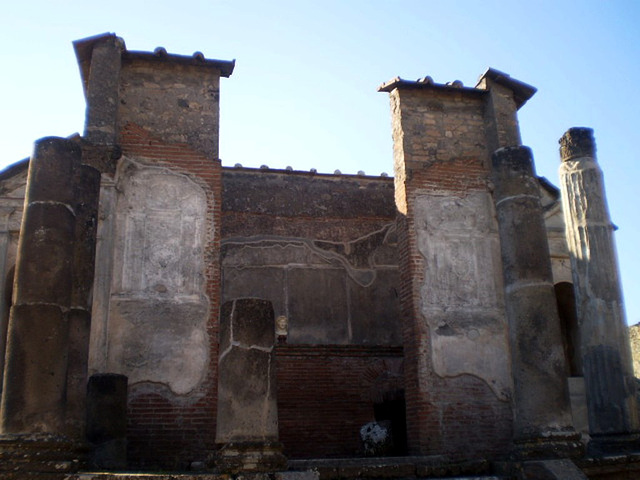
point(577, 142)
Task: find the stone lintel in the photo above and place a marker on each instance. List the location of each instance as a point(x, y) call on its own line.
point(522, 92)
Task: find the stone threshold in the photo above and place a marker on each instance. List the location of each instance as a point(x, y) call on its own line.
point(412, 467)
point(392, 468)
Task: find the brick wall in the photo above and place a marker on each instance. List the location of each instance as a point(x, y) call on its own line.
point(275, 227)
point(327, 393)
point(166, 430)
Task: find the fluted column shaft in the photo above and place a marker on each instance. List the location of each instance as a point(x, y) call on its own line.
point(610, 386)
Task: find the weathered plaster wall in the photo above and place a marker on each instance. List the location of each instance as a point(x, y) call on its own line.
point(157, 281)
point(158, 308)
point(321, 249)
point(156, 296)
point(462, 297)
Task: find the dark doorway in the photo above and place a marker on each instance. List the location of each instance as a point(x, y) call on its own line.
point(393, 409)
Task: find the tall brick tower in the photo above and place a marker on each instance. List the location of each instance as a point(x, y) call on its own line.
point(459, 368)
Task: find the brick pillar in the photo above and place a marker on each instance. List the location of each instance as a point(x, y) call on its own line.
point(542, 421)
point(247, 425)
point(32, 414)
point(457, 368)
point(101, 89)
point(606, 356)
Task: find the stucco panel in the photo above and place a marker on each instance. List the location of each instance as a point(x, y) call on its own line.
point(158, 309)
point(462, 295)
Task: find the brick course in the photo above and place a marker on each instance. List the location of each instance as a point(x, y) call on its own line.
point(326, 393)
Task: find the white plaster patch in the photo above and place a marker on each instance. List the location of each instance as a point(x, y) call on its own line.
point(159, 341)
point(462, 295)
point(157, 309)
point(163, 235)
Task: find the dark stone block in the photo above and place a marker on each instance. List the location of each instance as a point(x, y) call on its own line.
point(106, 407)
point(251, 323)
point(107, 420)
point(247, 404)
point(261, 282)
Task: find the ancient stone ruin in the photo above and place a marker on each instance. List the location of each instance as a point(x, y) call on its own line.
point(163, 312)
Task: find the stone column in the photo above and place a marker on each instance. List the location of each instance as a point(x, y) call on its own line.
point(606, 356)
point(5, 213)
point(32, 413)
point(542, 423)
point(87, 192)
point(247, 424)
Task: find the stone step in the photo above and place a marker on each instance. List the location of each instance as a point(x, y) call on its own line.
point(393, 468)
point(278, 476)
point(386, 468)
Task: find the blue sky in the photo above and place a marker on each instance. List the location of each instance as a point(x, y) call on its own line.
point(304, 89)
